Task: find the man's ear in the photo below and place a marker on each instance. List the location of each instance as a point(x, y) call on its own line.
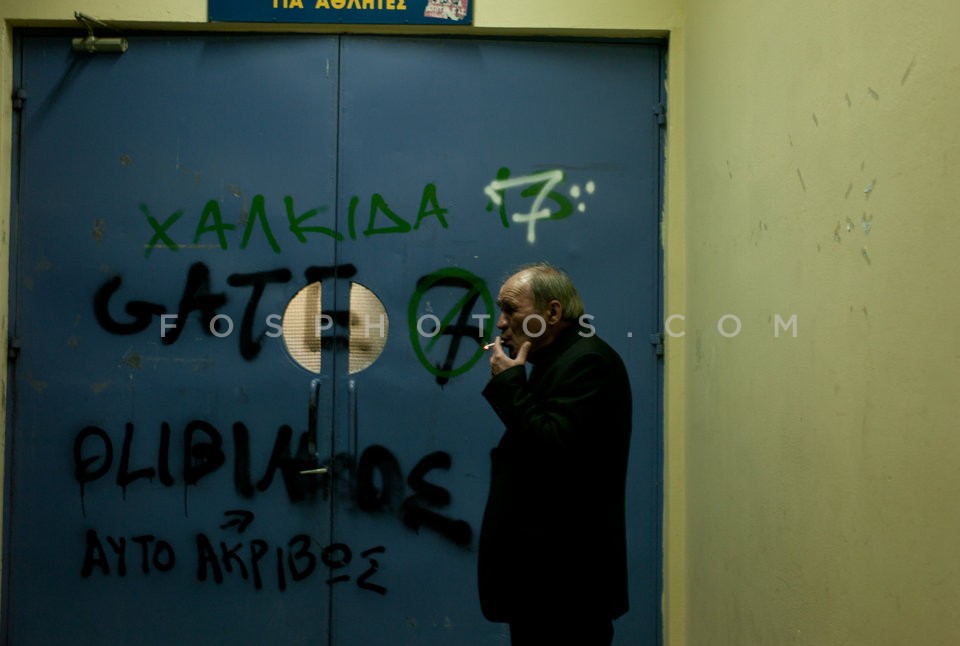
point(554, 312)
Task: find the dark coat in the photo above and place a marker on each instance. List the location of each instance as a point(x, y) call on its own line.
point(553, 534)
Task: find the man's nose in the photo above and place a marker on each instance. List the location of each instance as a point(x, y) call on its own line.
point(501, 322)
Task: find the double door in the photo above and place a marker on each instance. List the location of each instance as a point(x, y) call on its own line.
point(251, 280)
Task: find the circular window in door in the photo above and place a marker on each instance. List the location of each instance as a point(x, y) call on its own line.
point(307, 328)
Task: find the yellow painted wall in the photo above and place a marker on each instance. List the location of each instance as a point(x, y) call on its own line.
point(822, 165)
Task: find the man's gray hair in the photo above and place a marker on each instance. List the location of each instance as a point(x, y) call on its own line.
point(548, 283)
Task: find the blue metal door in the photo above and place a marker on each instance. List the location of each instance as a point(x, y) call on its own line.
point(155, 444)
point(479, 156)
point(252, 281)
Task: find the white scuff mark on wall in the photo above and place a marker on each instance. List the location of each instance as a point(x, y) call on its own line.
point(906, 74)
point(869, 187)
point(99, 227)
point(37, 384)
point(131, 358)
point(446, 622)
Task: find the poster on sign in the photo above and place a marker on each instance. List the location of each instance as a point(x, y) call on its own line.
point(446, 9)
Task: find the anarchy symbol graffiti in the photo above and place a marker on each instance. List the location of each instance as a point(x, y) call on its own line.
point(443, 314)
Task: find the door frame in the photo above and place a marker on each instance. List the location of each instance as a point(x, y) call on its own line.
point(9, 475)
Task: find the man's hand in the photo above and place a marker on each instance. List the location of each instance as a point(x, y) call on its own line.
point(499, 361)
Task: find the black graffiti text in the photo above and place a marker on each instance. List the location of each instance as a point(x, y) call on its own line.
point(374, 483)
point(203, 453)
point(253, 561)
point(198, 297)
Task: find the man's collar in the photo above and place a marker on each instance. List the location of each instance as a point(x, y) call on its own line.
point(547, 354)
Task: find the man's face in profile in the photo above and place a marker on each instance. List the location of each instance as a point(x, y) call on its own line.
point(519, 319)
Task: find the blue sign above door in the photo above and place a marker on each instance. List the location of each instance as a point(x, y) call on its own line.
point(367, 12)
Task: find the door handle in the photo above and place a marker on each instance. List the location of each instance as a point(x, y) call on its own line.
point(312, 414)
point(313, 409)
point(352, 419)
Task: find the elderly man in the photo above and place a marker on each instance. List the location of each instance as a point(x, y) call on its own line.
point(552, 554)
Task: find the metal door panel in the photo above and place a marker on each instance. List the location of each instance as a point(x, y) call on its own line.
point(172, 440)
point(423, 187)
point(441, 123)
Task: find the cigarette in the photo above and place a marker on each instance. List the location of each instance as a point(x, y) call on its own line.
point(488, 346)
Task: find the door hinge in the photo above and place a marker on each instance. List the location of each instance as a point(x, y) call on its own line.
point(660, 111)
point(13, 348)
point(656, 340)
point(19, 98)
